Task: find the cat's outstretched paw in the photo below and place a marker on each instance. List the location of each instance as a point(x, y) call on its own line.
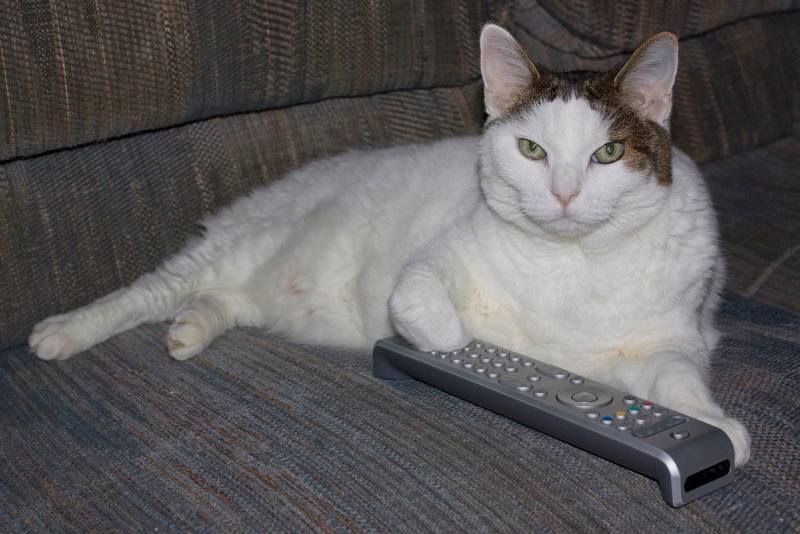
point(187, 336)
point(57, 338)
point(429, 326)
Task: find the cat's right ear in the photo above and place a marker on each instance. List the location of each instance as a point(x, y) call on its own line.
point(507, 71)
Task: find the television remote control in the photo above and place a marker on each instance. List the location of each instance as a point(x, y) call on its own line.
point(688, 458)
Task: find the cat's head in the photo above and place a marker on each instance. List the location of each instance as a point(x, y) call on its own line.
point(568, 154)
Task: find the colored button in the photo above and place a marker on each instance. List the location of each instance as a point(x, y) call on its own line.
point(620, 414)
point(607, 419)
point(634, 410)
point(647, 405)
point(629, 399)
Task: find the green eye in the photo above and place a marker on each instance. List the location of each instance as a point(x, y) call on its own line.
point(531, 150)
point(609, 152)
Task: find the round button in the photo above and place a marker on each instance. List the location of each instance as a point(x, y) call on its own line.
point(486, 359)
point(647, 405)
point(469, 365)
point(443, 355)
point(515, 358)
point(478, 345)
point(527, 363)
point(584, 396)
point(434, 352)
point(539, 393)
point(511, 369)
point(456, 361)
point(680, 434)
point(592, 414)
point(502, 354)
point(620, 414)
point(634, 410)
point(622, 427)
point(641, 419)
point(534, 378)
point(629, 399)
point(474, 355)
point(523, 388)
point(497, 364)
point(491, 350)
point(576, 380)
point(480, 370)
point(607, 420)
point(659, 412)
point(493, 375)
point(456, 352)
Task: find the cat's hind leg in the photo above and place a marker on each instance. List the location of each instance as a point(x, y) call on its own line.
point(205, 316)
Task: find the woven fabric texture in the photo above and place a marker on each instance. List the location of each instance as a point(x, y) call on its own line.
point(72, 72)
point(77, 224)
point(737, 86)
point(260, 435)
point(757, 197)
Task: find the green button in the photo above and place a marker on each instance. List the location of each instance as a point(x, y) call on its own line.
point(634, 410)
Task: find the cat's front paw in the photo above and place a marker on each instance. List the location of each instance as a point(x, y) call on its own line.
point(58, 338)
point(428, 325)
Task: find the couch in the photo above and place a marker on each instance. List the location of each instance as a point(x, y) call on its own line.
point(123, 123)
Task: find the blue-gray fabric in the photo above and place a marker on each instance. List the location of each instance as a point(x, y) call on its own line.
point(258, 434)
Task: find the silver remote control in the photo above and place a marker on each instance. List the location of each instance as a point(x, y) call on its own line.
point(688, 458)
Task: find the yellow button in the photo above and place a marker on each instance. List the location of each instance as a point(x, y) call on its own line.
point(620, 414)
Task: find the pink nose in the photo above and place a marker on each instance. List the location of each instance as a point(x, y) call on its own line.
point(565, 197)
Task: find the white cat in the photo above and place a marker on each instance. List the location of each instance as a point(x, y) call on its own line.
point(570, 230)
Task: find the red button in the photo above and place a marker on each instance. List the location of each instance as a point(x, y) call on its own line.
point(647, 405)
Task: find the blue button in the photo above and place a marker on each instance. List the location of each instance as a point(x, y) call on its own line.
point(607, 419)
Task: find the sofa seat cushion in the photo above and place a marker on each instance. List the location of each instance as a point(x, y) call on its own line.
point(259, 434)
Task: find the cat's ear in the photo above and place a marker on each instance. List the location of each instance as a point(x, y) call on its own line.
point(646, 79)
point(507, 71)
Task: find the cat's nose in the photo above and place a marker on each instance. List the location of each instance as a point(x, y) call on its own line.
point(564, 196)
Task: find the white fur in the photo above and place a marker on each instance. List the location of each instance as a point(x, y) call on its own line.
point(461, 238)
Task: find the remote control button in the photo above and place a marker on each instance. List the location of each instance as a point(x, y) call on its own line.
point(497, 364)
point(527, 363)
point(515, 358)
point(480, 370)
point(511, 369)
point(607, 420)
point(523, 387)
point(493, 374)
point(659, 426)
point(478, 345)
point(540, 393)
point(576, 380)
point(659, 412)
point(621, 415)
point(434, 353)
point(629, 399)
point(491, 350)
point(456, 361)
point(455, 352)
point(592, 414)
point(584, 396)
point(680, 434)
point(443, 356)
point(634, 410)
point(486, 359)
point(553, 372)
point(474, 355)
point(534, 378)
point(503, 354)
point(469, 365)
point(647, 405)
point(641, 419)
point(623, 427)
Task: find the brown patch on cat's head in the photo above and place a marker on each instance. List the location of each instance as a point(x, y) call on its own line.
point(648, 145)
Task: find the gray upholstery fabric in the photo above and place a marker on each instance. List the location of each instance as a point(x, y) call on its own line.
point(257, 434)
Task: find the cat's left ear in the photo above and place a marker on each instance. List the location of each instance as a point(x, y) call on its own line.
point(646, 79)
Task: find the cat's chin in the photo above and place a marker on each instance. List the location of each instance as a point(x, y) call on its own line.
point(564, 227)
